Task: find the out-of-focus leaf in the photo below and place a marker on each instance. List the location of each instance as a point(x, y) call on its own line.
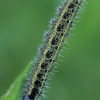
point(12, 91)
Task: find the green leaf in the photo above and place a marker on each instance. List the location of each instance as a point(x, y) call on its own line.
point(14, 88)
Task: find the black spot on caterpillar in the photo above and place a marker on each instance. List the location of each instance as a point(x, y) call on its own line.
point(48, 53)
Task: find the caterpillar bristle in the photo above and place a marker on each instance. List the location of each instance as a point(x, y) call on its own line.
point(52, 73)
point(47, 36)
point(41, 49)
point(53, 22)
point(44, 96)
point(43, 66)
point(59, 10)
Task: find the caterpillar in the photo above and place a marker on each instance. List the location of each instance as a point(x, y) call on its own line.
point(36, 78)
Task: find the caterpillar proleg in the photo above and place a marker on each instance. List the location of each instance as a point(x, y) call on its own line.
point(36, 79)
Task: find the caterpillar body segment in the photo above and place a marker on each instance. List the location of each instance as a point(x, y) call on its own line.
point(54, 39)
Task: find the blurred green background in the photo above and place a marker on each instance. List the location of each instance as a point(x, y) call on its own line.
point(22, 24)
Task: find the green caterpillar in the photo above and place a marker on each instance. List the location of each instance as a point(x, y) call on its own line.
point(54, 39)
